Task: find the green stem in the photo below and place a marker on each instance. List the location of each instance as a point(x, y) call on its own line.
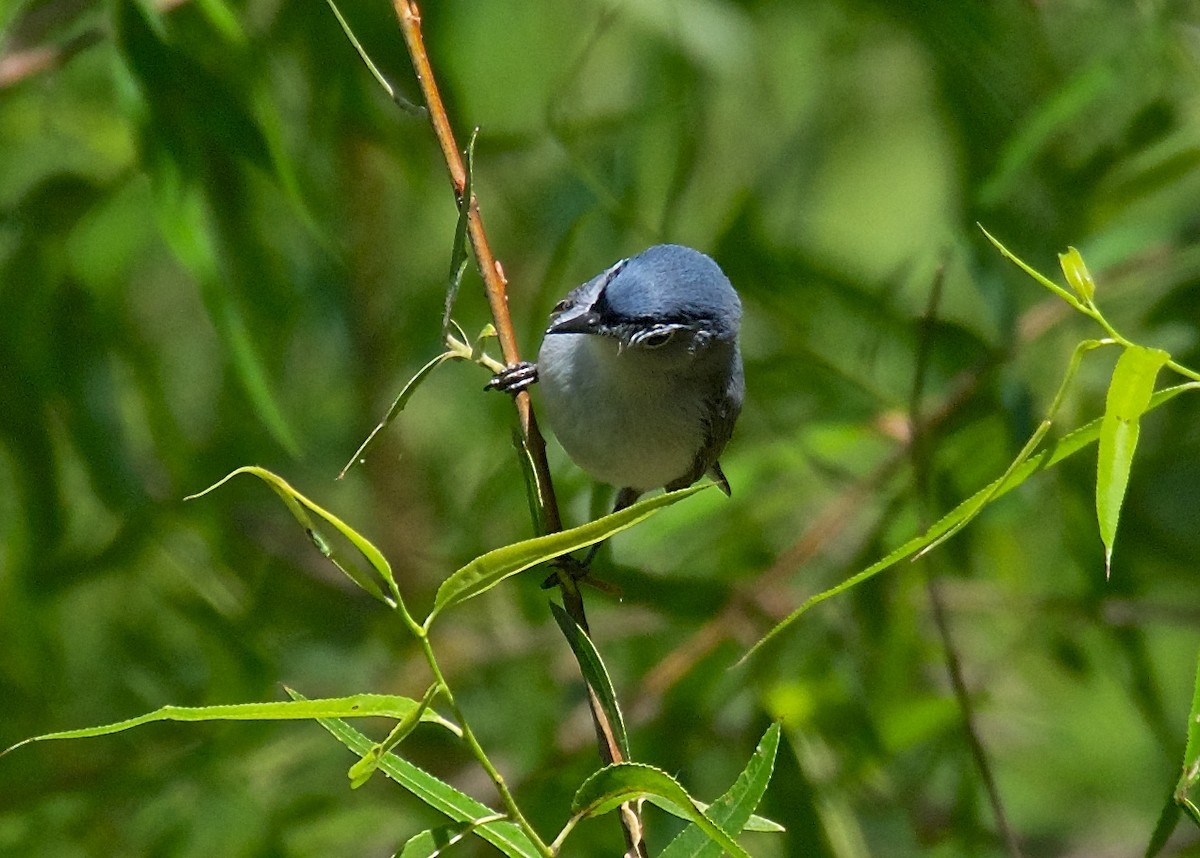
point(1034, 440)
point(1087, 307)
point(1183, 370)
point(506, 797)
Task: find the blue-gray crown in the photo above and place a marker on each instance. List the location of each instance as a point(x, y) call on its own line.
point(671, 283)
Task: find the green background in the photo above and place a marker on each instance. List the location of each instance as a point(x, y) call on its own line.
point(221, 244)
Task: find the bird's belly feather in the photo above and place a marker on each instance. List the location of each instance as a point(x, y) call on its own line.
point(624, 425)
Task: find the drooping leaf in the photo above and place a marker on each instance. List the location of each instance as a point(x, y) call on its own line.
point(733, 810)
point(1034, 133)
point(619, 783)
point(1168, 819)
point(1128, 397)
point(199, 135)
point(594, 673)
point(486, 571)
point(400, 100)
point(300, 506)
point(1182, 799)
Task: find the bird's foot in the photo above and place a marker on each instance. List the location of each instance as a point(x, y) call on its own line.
point(513, 379)
point(580, 572)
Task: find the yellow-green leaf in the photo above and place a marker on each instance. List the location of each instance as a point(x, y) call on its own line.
point(299, 506)
point(396, 407)
point(354, 706)
point(1128, 397)
point(1077, 274)
point(1185, 790)
point(438, 795)
point(361, 771)
point(486, 571)
point(619, 783)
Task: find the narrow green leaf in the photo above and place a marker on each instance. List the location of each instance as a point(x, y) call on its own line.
point(594, 673)
point(230, 323)
point(504, 835)
point(619, 783)
point(199, 134)
point(1132, 382)
point(1184, 796)
point(1168, 820)
point(431, 842)
point(1129, 395)
point(354, 706)
point(733, 810)
point(1031, 136)
point(1068, 445)
point(300, 506)
point(402, 102)
point(459, 255)
point(434, 841)
point(397, 406)
point(361, 771)
point(762, 824)
point(755, 823)
point(486, 571)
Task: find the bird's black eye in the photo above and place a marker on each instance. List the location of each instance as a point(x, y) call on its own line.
point(656, 339)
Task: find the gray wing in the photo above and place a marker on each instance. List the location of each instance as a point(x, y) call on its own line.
point(723, 411)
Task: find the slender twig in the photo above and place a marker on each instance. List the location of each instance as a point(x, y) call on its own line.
point(496, 288)
point(495, 284)
point(921, 454)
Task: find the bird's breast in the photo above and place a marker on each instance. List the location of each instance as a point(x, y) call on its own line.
point(621, 419)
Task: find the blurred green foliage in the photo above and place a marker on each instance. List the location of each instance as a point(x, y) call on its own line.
point(221, 244)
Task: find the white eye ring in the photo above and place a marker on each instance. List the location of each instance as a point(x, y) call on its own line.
point(656, 338)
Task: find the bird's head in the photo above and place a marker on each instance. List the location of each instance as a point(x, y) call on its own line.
point(668, 299)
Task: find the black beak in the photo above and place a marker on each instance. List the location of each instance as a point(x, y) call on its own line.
point(585, 322)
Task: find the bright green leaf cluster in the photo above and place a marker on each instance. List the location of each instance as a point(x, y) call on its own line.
point(1130, 394)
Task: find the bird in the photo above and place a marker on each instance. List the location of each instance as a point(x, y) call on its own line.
point(641, 372)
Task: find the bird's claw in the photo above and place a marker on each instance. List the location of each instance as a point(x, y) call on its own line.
point(580, 572)
point(513, 379)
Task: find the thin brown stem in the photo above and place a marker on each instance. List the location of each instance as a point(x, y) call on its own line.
point(496, 288)
point(921, 455)
point(495, 283)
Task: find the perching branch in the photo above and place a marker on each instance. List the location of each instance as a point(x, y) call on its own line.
point(496, 287)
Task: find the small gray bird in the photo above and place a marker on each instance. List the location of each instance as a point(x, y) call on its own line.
point(640, 371)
